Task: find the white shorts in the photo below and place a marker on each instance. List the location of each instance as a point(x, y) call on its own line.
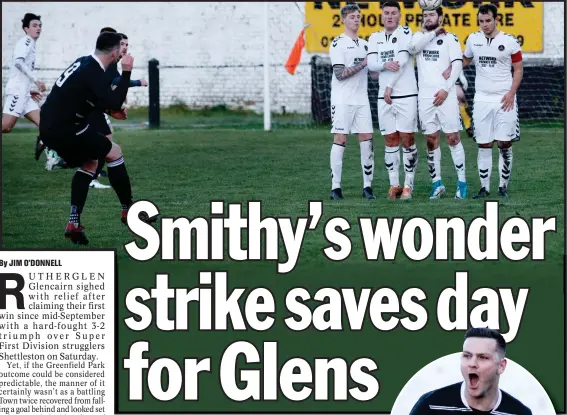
point(400, 116)
point(351, 119)
point(445, 117)
point(492, 123)
point(19, 105)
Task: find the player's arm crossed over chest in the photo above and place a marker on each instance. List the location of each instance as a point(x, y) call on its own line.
point(340, 58)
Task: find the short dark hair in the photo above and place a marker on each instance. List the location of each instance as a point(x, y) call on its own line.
point(392, 3)
point(123, 36)
point(107, 30)
point(28, 17)
point(108, 41)
point(349, 8)
point(488, 8)
point(487, 333)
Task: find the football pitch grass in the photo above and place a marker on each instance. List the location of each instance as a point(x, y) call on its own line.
point(182, 170)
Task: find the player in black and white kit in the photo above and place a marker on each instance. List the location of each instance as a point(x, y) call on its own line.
point(81, 89)
point(483, 361)
point(24, 90)
point(99, 120)
point(397, 98)
point(495, 111)
point(350, 107)
point(438, 105)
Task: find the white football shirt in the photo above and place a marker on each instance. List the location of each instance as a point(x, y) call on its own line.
point(385, 48)
point(435, 57)
point(349, 52)
point(492, 59)
point(18, 83)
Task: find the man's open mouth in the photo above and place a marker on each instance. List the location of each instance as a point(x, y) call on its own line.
point(474, 380)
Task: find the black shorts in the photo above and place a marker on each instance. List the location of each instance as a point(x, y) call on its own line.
point(98, 122)
point(77, 149)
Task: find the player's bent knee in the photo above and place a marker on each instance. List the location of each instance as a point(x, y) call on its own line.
point(339, 139)
point(433, 141)
point(365, 137)
point(453, 139)
point(90, 166)
point(114, 154)
point(504, 144)
point(392, 140)
point(407, 139)
point(8, 124)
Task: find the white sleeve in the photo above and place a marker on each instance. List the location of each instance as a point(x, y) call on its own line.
point(419, 40)
point(373, 62)
point(403, 56)
point(20, 64)
point(455, 52)
point(468, 49)
point(402, 59)
point(514, 45)
point(456, 58)
point(405, 40)
point(21, 50)
point(464, 81)
point(336, 53)
point(457, 68)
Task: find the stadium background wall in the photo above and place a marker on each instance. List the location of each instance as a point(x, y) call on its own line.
point(211, 53)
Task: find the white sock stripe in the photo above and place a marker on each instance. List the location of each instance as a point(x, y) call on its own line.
point(86, 172)
point(115, 163)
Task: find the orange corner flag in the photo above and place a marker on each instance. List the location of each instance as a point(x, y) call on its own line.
point(295, 55)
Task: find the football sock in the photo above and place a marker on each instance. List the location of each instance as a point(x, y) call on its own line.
point(434, 164)
point(484, 162)
point(99, 168)
point(337, 152)
point(505, 165)
point(367, 162)
point(392, 162)
point(464, 109)
point(120, 181)
point(458, 154)
point(79, 192)
point(74, 216)
point(410, 164)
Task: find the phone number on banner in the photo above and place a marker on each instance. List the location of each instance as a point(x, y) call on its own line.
point(523, 19)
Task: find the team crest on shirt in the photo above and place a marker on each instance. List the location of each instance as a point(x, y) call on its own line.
point(366, 48)
point(394, 40)
point(440, 42)
point(501, 48)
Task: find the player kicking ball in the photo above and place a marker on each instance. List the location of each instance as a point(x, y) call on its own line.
point(495, 111)
point(350, 107)
point(80, 89)
point(437, 100)
point(397, 103)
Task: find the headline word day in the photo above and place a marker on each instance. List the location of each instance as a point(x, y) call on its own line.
point(296, 379)
point(328, 309)
point(447, 238)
